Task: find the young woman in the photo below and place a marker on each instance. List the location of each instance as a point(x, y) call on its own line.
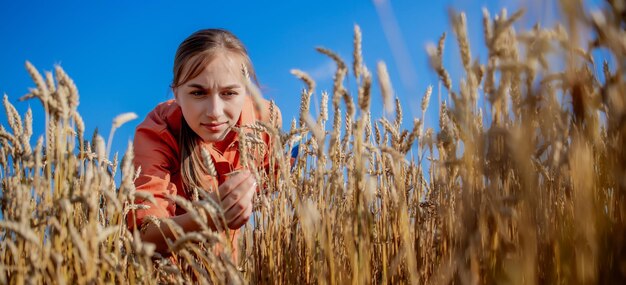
point(211, 97)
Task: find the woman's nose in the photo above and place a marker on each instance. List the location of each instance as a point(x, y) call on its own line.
point(214, 107)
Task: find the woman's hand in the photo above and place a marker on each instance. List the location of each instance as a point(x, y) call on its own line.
point(236, 195)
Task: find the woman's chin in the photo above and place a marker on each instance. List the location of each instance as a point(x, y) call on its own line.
point(213, 137)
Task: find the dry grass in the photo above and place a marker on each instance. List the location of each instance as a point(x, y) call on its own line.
point(530, 190)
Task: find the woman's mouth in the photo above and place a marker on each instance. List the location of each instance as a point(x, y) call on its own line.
point(214, 127)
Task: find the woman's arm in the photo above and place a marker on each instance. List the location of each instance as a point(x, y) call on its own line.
point(235, 199)
point(153, 234)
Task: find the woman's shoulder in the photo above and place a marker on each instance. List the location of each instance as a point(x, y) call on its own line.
point(156, 139)
point(165, 117)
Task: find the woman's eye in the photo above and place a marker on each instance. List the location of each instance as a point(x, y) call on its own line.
point(197, 93)
point(229, 93)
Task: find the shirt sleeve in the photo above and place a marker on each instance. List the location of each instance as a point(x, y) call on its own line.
point(155, 152)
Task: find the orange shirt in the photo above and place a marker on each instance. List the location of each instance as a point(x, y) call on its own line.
point(157, 153)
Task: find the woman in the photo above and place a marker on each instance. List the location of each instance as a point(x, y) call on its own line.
point(211, 98)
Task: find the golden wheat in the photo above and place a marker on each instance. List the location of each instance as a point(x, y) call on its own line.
point(528, 190)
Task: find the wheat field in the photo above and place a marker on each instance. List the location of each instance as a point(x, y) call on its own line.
point(525, 184)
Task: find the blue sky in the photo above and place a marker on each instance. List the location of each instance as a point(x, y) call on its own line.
point(120, 54)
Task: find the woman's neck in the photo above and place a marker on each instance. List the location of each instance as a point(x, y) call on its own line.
point(223, 144)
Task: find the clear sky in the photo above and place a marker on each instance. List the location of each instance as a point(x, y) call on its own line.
point(120, 53)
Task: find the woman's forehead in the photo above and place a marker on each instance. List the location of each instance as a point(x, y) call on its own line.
point(217, 61)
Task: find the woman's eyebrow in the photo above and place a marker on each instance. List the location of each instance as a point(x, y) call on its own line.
point(231, 86)
point(196, 85)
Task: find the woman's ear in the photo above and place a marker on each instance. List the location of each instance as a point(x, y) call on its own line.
point(175, 91)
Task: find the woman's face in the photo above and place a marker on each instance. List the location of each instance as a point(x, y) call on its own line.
point(212, 101)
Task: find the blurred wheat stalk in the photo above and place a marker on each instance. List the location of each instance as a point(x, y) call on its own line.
point(529, 190)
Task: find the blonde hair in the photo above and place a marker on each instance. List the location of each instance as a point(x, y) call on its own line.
point(192, 56)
